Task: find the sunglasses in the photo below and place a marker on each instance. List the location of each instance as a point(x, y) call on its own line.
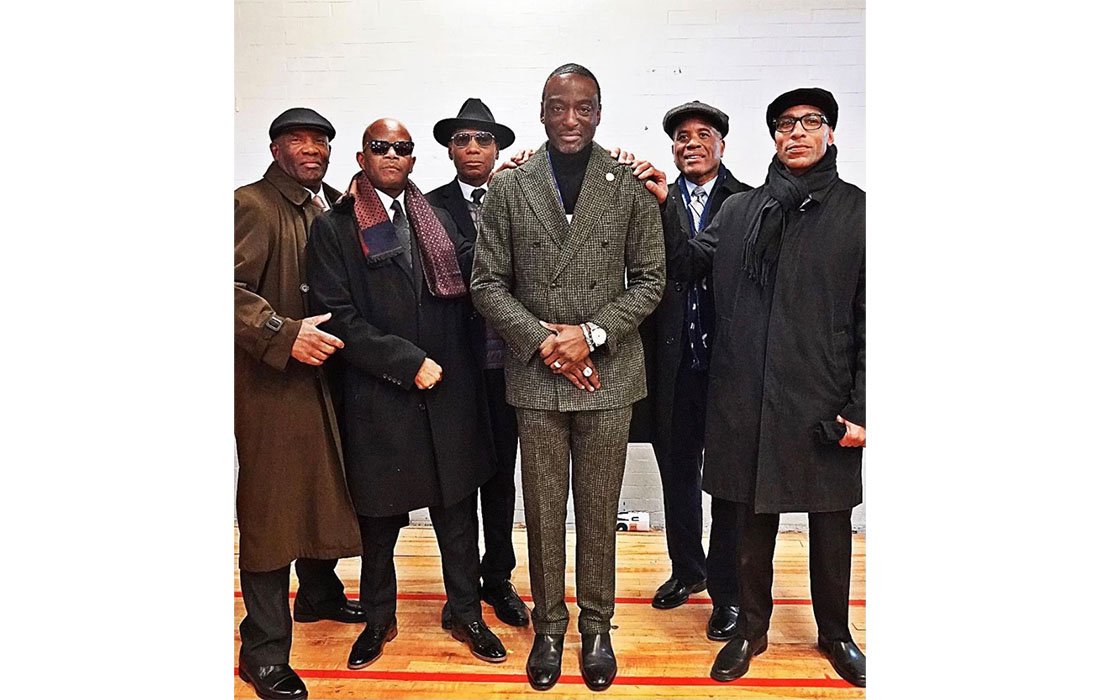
point(381, 148)
point(483, 138)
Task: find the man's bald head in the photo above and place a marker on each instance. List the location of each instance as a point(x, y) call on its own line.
point(386, 158)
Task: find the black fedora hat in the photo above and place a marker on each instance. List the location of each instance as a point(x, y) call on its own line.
point(815, 96)
point(474, 114)
point(301, 118)
point(712, 115)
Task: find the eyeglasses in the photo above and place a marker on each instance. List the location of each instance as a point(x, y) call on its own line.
point(483, 138)
point(381, 148)
point(810, 122)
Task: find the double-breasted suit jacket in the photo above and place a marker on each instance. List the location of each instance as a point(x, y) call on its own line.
point(531, 264)
point(405, 448)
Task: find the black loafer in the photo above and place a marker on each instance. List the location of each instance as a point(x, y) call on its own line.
point(368, 647)
point(348, 611)
point(506, 604)
point(482, 642)
point(847, 659)
point(673, 593)
point(544, 661)
point(278, 682)
point(598, 665)
point(722, 623)
point(733, 660)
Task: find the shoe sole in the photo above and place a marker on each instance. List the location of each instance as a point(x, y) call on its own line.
point(727, 677)
point(389, 638)
point(245, 677)
point(697, 588)
point(490, 659)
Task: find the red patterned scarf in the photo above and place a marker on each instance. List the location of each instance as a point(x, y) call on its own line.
point(378, 237)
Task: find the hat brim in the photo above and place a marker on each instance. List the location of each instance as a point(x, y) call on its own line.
point(445, 128)
point(283, 128)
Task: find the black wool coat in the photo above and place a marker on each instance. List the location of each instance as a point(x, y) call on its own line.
point(404, 448)
point(787, 358)
point(663, 332)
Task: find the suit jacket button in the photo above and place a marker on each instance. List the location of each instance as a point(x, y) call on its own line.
point(304, 288)
point(679, 286)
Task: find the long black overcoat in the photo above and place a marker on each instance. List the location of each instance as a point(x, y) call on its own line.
point(404, 448)
point(786, 358)
point(663, 334)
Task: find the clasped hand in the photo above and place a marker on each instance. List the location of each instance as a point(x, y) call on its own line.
point(565, 352)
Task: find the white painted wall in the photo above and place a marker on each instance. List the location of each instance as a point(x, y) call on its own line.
point(417, 60)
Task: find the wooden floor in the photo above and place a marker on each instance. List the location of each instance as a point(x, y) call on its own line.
point(661, 654)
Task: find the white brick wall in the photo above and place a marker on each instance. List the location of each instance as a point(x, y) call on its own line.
point(417, 60)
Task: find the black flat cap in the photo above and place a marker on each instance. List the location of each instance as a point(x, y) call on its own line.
point(474, 114)
point(301, 118)
point(712, 115)
point(816, 97)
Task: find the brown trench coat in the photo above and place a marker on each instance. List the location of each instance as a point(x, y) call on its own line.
point(292, 500)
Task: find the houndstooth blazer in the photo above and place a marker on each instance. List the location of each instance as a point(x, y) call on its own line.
point(607, 267)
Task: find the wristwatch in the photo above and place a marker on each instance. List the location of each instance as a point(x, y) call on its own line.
point(598, 335)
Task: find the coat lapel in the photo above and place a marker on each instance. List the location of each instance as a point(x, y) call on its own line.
point(456, 207)
point(537, 183)
point(592, 205)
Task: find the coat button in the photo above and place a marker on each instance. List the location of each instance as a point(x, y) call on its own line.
point(304, 288)
point(669, 341)
point(593, 285)
point(679, 286)
point(553, 285)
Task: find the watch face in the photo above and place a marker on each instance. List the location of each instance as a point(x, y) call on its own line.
point(599, 335)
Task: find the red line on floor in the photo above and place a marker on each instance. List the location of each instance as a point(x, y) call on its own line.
point(442, 597)
point(570, 680)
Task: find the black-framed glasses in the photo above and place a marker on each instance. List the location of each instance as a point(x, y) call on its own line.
point(381, 148)
point(810, 122)
point(483, 138)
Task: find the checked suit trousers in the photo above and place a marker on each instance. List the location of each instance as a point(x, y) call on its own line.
point(591, 445)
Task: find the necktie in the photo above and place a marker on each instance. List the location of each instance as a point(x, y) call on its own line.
point(475, 207)
point(319, 203)
point(698, 202)
point(404, 235)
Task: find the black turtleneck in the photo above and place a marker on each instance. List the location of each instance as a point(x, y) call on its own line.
point(569, 170)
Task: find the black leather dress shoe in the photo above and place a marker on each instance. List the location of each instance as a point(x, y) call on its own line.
point(673, 593)
point(847, 659)
point(722, 623)
point(368, 647)
point(733, 660)
point(506, 604)
point(544, 661)
point(598, 665)
point(349, 611)
point(278, 682)
point(482, 642)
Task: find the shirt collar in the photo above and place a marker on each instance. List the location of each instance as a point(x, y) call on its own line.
point(387, 202)
point(320, 193)
point(467, 190)
point(708, 187)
